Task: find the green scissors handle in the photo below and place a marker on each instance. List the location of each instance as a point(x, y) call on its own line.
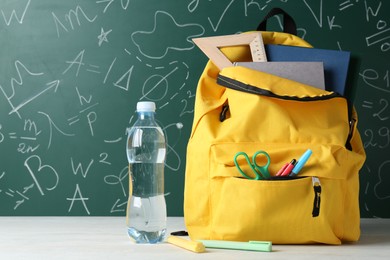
point(260, 171)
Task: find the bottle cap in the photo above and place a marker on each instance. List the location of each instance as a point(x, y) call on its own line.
point(146, 106)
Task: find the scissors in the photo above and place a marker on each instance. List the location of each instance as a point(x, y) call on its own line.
point(260, 171)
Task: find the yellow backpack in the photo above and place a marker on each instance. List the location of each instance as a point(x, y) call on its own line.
point(242, 110)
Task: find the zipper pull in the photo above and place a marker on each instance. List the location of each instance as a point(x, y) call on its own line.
point(317, 196)
point(222, 115)
point(351, 128)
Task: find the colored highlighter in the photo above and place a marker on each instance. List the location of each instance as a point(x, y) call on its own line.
point(193, 246)
point(264, 246)
point(301, 162)
point(287, 168)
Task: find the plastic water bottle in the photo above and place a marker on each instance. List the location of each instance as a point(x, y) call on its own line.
point(146, 150)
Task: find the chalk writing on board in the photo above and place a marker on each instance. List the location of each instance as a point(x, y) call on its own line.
point(375, 80)
point(31, 127)
point(122, 180)
point(376, 136)
point(8, 20)
point(382, 36)
point(103, 36)
point(123, 4)
point(28, 140)
point(119, 206)
point(345, 4)
point(70, 18)
point(160, 82)
point(86, 107)
point(379, 138)
point(18, 81)
point(108, 71)
point(157, 81)
point(80, 169)
point(52, 127)
point(381, 189)
point(193, 5)
point(113, 141)
point(27, 148)
point(22, 197)
point(39, 170)
point(370, 12)
point(171, 131)
point(381, 112)
point(160, 50)
point(253, 3)
point(77, 196)
point(216, 26)
point(1, 134)
point(119, 179)
point(50, 85)
point(78, 61)
point(186, 109)
point(124, 81)
point(104, 158)
point(316, 12)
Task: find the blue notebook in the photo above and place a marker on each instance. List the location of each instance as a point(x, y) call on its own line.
point(335, 62)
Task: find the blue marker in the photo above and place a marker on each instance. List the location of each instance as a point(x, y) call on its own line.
point(301, 162)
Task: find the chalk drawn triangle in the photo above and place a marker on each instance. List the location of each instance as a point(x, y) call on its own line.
point(124, 81)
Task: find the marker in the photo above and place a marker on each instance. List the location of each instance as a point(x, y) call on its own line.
point(301, 162)
point(287, 168)
point(264, 246)
point(193, 246)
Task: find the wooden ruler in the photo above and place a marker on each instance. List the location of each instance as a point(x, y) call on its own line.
point(210, 46)
point(257, 48)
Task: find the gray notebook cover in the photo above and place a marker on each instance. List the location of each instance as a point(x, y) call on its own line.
point(309, 73)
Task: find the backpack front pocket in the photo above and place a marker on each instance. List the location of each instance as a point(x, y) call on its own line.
point(304, 209)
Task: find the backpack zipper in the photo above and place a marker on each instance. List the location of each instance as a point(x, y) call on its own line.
point(317, 196)
point(243, 87)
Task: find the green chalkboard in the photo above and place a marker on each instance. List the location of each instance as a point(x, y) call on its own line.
point(72, 71)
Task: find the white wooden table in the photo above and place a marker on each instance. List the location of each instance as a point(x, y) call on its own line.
point(106, 238)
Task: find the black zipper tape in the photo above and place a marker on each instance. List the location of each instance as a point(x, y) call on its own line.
point(237, 85)
point(246, 88)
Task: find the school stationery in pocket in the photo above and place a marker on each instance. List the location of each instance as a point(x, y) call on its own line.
point(238, 109)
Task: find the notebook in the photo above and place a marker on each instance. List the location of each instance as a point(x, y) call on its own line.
point(335, 62)
point(309, 73)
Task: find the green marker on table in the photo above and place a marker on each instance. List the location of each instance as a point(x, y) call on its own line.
point(264, 246)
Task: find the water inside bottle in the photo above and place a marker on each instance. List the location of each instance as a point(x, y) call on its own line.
point(148, 219)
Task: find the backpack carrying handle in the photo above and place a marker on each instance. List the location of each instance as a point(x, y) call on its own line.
point(289, 25)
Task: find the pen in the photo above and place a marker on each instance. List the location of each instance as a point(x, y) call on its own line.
point(264, 246)
point(287, 168)
point(301, 162)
